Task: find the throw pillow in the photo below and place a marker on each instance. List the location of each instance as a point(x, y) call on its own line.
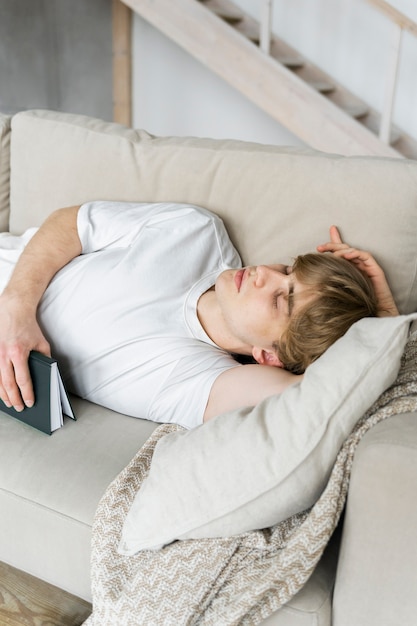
point(254, 467)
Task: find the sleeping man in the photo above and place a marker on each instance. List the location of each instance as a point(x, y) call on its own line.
point(145, 306)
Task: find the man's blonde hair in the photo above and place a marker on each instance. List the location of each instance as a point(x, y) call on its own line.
point(342, 295)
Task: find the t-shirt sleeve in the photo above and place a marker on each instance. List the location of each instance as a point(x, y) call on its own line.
point(106, 224)
point(184, 395)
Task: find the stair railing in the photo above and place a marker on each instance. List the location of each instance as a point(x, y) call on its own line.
point(400, 22)
point(266, 26)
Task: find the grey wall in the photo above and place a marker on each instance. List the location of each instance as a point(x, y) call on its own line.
point(56, 54)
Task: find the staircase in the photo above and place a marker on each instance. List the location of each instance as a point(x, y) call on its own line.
point(284, 84)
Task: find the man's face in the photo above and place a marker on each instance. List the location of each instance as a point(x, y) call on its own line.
point(257, 302)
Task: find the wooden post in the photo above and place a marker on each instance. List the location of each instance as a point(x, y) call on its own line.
point(395, 49)
point(266, 25)
point(122, 62)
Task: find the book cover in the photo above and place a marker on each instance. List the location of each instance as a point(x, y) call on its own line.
point(51, 399)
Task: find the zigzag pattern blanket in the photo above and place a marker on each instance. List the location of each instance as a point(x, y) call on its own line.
point(237, 580)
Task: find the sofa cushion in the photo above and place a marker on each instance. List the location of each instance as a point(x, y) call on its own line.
point(276, 202)
point(50, 488)
point(4, 171)
point(253, 468)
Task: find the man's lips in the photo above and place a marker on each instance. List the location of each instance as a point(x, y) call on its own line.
point(239, 278)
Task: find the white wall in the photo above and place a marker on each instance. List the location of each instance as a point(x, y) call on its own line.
point(175, 95)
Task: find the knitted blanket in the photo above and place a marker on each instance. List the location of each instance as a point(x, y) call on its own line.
point(236, 580)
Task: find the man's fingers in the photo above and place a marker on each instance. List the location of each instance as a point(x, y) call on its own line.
point(24, 382)
point(335, 235)
point(335, 243)
point(342, 249)
point(10, 387)
point(4, 396)
point(16, 385)
point(358, 254)
point(332, 246)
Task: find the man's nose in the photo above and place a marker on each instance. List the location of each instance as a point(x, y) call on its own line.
point(266, 273)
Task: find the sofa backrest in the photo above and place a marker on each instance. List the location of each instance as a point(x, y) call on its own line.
point(276, 202)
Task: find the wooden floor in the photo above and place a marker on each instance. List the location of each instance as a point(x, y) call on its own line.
point(28, 601)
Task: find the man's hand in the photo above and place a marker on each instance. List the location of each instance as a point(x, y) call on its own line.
point(19, 334)
point(367, 264)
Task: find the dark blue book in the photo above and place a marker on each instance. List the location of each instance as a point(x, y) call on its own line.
point(51, 398)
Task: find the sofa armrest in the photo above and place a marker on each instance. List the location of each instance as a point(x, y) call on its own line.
point(376, 580)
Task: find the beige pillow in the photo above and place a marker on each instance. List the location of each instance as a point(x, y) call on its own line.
point(252, 468)
point(276, 202)
point(4, 171)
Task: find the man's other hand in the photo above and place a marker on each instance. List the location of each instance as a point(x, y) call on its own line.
point(19, 334)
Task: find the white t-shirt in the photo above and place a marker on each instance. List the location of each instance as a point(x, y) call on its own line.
point(122, 317)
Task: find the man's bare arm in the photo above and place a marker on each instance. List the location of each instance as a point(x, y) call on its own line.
point(54, 245)
point(246, 385)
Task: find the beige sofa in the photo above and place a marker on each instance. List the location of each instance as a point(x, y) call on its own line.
point(50, 486)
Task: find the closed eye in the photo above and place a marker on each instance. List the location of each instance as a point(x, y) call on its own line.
point(276, 298)
point(289, 298)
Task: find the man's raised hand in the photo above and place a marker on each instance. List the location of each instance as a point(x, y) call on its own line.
point(368, 265)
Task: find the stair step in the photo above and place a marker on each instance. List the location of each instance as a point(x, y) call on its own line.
point(322, 86)
point(293, 63)
point(349, 103)
point(314, 77)
point(373, 122)
point(226, 13)
point(248, 29)
point(355, 110)
point(285, 55)
point(407, 146)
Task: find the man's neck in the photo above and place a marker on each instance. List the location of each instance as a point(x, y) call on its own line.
point(212, 321)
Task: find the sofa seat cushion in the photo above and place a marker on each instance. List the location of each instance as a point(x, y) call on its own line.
point(69, 471)
point(50, 488)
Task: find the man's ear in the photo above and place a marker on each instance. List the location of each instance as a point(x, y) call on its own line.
point(266, 357)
